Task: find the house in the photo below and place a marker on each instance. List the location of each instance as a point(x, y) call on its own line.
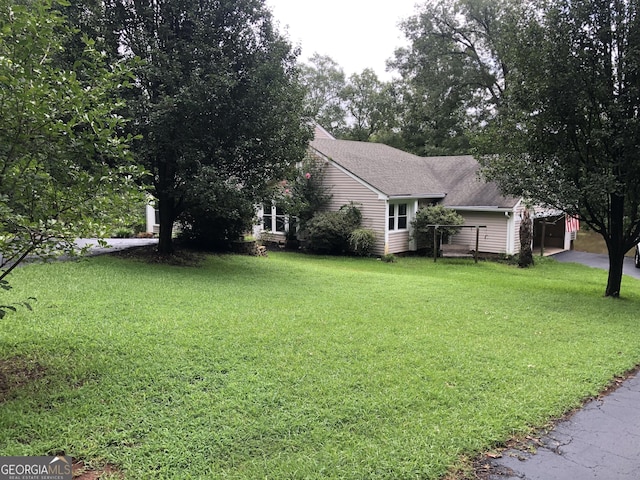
point(390, 185)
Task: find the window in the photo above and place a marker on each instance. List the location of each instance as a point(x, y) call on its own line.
point(397, 216)
point(267, 218)
point(273, 219)
point(280, 219)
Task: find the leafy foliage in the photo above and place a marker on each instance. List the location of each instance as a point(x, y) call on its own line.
point(362, 241)
point(567, 133)
point(371, 106)
point(65, 167)
point(454, 71)
point(218, 213)
point(329, 232)
point(389, 258)
point(324, 81)
point(217, 87)
point(361, 107)
point(306, 194)
point(447, 220)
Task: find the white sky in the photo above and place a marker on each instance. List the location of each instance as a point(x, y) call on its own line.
point(357, 34)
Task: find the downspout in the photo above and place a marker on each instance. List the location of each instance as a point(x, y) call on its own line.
point(413, 243)
point(386, 226)
point(511, 237)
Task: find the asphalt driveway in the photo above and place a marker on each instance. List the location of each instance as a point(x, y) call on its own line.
point(599, 442)
point(596, 260)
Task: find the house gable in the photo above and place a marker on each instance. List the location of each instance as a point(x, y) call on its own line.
point(391, 171)
point(391, 176)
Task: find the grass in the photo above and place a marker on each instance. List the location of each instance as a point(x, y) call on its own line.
point(303, 367)
point(592, 242)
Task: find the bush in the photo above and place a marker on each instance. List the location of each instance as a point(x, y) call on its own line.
point(388, 258)
point(329, 232)
point(435, 215)
point(217, 213)
point(123, 233)
point(305, 194)
point(362, 241)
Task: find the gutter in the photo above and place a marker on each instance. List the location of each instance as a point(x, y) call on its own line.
point(482, 208)
point(405, 196)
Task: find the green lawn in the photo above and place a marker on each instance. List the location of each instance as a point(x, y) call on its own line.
point(303, 367)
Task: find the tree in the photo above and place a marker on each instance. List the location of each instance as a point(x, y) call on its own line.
point(324, 81)
point(568, 132)
point(370, 105)
point(454, 71)
point(218, 213)
point(65, 168)
point(217, 89)
point(305, 194)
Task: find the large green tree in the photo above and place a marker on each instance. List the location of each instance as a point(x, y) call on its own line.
point(371, 105)
point(324, 81)
point(65, 169)
point(217, 89)
point(568, 130)
point(453, 71)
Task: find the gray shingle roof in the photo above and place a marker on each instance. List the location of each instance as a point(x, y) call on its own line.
point(387, 169)
point(398, 173)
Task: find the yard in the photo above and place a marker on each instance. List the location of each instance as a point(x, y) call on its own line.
point(301, 367)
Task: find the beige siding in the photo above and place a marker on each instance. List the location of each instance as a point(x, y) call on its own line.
point(398, 241)
point(492, 239)
point(518, 220)
point(345, 189)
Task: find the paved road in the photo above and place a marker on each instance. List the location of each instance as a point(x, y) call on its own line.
point(599, 442)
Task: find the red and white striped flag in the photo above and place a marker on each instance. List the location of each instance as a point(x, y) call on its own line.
point(571, 224)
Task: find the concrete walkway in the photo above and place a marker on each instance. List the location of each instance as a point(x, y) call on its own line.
point(114, 244)
point(599, 442)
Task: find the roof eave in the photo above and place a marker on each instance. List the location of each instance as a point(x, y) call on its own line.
point(403, 196)
point(482, 208)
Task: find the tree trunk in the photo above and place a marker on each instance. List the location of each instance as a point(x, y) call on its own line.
point(526, 241)
point(615, 246)
point(167, 219)
point(614, 281)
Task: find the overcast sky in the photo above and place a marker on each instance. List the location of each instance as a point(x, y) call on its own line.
point(357, 34)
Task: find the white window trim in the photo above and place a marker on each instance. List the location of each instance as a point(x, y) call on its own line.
point(274, 217)
point(396, 215)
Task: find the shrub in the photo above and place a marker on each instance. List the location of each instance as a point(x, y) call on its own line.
point(217, 213)
point(123, 233)
point(362, 241)
point(328, 232)
point(388, 258)
point(305, 194)
point(435, 215)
